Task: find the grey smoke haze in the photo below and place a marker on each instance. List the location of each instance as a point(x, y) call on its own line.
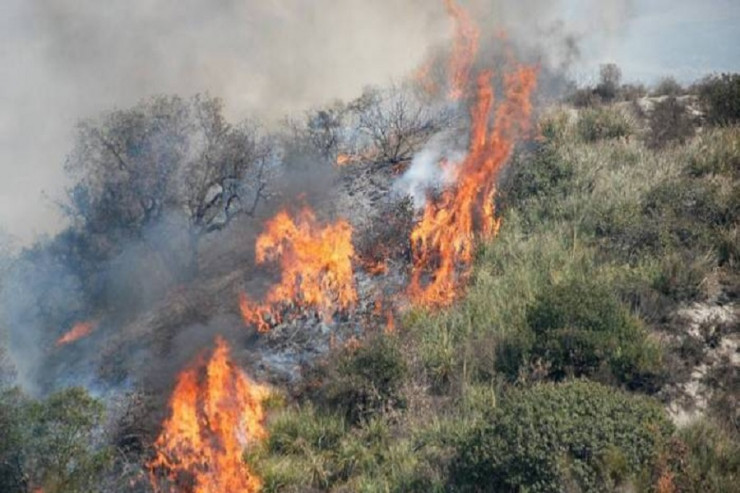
point(62, 60)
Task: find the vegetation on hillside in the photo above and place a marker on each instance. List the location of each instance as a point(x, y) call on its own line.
point(551, 373)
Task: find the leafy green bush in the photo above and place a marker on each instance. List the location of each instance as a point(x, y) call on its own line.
point(720, 95)
point(562, 437)
point(602, 123)
point(540, 175)
point(54, 443)
point(363, 382)
point(669, 122)
point(581, 329)
point(12, 436)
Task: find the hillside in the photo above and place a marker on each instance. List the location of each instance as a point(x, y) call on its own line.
point(454, 283)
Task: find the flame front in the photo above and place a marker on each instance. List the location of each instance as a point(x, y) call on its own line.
point(316, 267)
point(215, 411)
point(444, 239)
point(77, 332)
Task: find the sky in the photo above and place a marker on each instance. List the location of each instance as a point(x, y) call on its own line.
point(66, 60)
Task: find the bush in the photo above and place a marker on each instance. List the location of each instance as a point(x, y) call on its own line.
point(582, 329)
point(717, 152)
point(363, 382)
point(543, 174)
point(601, 124)
point(720, 95)
point(52, 444)
point(669, 122)
point(668, 86)
point(707, 459)
point(557, 437)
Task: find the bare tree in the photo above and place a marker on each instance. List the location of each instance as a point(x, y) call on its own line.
point(396, 122)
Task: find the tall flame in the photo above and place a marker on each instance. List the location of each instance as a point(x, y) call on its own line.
point(444, 239)
point(316, 266)
point(215, 411)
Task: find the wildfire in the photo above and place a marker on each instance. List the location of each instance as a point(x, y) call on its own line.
point(444, 239)
point(215, 411)
point(77, 332)
point(316, 267)
point(343, 159)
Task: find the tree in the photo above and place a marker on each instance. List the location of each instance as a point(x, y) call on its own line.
point(54, 443)
point(610, 79)
point(65, 449)
point(396, 122)
point(165, 155)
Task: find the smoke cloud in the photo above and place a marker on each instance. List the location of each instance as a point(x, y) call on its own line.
point(64, 60)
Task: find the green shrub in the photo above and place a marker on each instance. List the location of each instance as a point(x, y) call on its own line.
point(541, 174)
point(669, 122)
point(582, 329)
point(363, 382)
point(720, 95)
point(54, 443)
point(13, 429)
point(601, 124)
point(552, 436)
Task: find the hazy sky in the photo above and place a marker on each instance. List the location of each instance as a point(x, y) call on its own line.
point(62, 60)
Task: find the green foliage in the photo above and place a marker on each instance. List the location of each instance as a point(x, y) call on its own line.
point(602, 123)
point(669, 122)
point(362, 382)
point(581, 329)
point(54, 443)
point(547, 437)
point(309, 449)
point(66, 451)
point(12, 437)
point(717, 153)
point(720, 95)
point(543, 174)
point(706, 458)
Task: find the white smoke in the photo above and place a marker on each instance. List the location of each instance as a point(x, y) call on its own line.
point(432, 168)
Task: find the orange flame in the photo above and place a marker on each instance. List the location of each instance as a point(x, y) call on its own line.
point(464, 50)
point(343, 159)
point(444, 240)
point(215, 411)
point(316, 265)
point(77, 332)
